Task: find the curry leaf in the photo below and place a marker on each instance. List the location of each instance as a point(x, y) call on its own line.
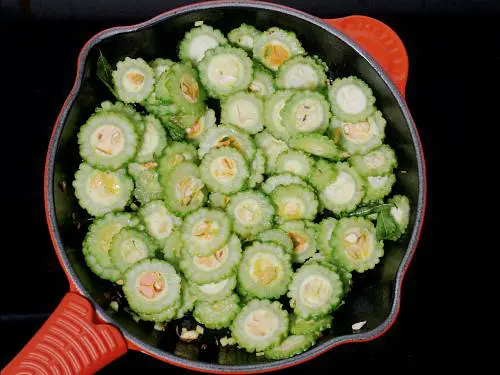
point(387, 228)
point(368, 210)
point(105, 73)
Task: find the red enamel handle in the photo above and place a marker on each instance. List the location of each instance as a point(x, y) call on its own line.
point(69, 342)
point(381, 42)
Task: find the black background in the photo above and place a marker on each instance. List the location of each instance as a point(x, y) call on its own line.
point(454, 53)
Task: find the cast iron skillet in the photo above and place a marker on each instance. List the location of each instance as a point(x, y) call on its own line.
point(83, 334)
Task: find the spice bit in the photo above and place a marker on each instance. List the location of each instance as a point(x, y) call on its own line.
point(357, 326)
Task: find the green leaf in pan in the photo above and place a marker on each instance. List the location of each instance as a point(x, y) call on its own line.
point(387, 228)
point(105, 73)
point(368, 210)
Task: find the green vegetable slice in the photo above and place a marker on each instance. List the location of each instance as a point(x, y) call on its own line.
point(351, 99)
point(301, 73)
point(198, 41)
point(244, 110)
point(271, 147)
point(205, 122)
point(176, 153)
point(361, 137)
point(315, 291)
point(324, 240)
point(378, 162)
point(294, 162)
point(265, 271)
point(133, 79)
point(273, 114)
point(218, 200)
point(292, 345)
point(318, 145)
point(154, 140)
point(188, 300)
point(345, 276)
point(227, 136)
point(301, 326)
point(306, 112)
point(277, 236)
point(205, 231)
point(146, 181)
point(377, 187)
point(275, 46)
point(224, 170)
point(261, 324)
point(125, 109)
point(163, 316)
point(225, 70)
point(258, 168)
point(355, 245)
point(97, 243)
point(216, 291)
point(129, 246)
point(283, 179)
point(159, 221)
point(295, 202)
point(251, 213)
point(303, 236)
point(218, 314)
point(108, 140)
point(173, 248)
point(183, 189)
point(212, 268)
point(152, 286)
point(263, 82)
point(401, 211)
point(243, 36)
point(160, 66)
point(100, 192)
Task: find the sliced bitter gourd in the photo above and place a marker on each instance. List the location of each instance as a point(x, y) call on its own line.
point(108, 140)
point(258, 168)
point(301, 73)
point(129, 246)
point(274, 46)
point(262, 83)
point(125, 109)
point(198, 41)
point(284, 179)
point(147, 181)
point(205, 231)
point(200, 127)
point(97, 243)
point(360, 137)
point(301, 326)
point(243, 110)
point(163, 316)
point(219, 314)
point(294, 162)
point(351, 99)
point(176, 153)
point(277, 236)
point(355, 245)
point(100, 192)
point(303, 237)
point(188, 300)
point(152, 286)
point(133, 79)
point(377, 187)
point(318, 145)
point(160, 66)
point(272, 147)
point(214, 291)
point(154, 140)
point(227, 136)
point(306, 112)
point(401, 211)
point(224, 170)
point(212, 268)
point(159, 222)
point(251, 213)
point(315, 291)
point(292, 345)
point(218, 200)
point(323, 173)
point(261, 324)
point(272, 114)
point(225, 70)
point(295, 202)
point(173, 248)
point(183, 189)
point(378, 162)
point(243, 36)
point(265, 271)
point(324, 233)
point(344, 192)
point(179, 85)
